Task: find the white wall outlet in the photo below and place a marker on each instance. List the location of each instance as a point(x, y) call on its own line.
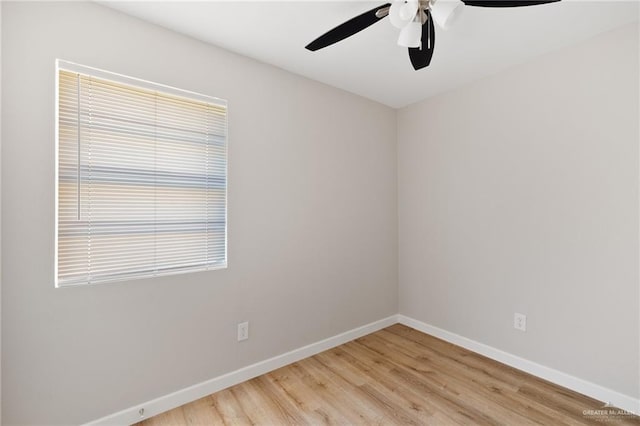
point(243, 331)
point(520, 322)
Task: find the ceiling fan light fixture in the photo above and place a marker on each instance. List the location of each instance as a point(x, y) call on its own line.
point(411, 34)
point(446, 12)
point(409, 9)
point(397, 12)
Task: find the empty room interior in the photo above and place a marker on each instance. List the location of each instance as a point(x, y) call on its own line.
point(418, 212)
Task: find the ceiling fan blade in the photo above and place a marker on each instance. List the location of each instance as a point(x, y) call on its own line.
point(347, 29)
point(421, 57)
point(506, 3)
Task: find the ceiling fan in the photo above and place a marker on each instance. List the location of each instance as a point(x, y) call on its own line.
point(415, 19)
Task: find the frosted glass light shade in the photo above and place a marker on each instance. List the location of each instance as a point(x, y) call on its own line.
point(446, 12)
point(410, 35)
point(397, 12)
point(409, 9)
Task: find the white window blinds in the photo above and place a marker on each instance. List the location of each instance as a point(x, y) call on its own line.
point(141, 179)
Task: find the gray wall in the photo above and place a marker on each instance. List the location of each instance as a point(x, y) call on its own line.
point(516, 193)
point(312, 224)
point(519, 193)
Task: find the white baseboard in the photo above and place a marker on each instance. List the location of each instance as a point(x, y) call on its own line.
point(159, 405)
point(184, 396)
point(584, 387)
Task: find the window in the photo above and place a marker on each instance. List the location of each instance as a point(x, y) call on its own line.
point(141, 178)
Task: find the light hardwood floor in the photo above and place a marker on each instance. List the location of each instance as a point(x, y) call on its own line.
point(396, 376)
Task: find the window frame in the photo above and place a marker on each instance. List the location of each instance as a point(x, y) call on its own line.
point(63, 65)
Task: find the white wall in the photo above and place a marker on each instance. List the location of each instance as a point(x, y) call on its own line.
point(519, 193)
point(312, 224)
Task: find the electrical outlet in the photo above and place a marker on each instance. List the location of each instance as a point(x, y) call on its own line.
point(520, 322)
point(243, 331)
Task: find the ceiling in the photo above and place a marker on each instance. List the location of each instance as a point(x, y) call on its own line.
point(482, 42)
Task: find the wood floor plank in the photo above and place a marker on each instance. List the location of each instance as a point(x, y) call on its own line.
point(486, 367)
point(460, 356)
point(373, 398)
point(429, 383)
point(201, 412)
point(343, 363)
point(308, 404)
point(416, 401)
point(396, 376)
point(386, 373)
point(468, 382)
point(476, 396)
point(338, 395)
point(278, 399)
point(229, 408)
